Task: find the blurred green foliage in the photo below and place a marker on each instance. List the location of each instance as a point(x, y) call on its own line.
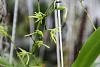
point(89, 52)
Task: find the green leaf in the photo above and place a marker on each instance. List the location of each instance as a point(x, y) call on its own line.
point(90, 51)
point(4, 62)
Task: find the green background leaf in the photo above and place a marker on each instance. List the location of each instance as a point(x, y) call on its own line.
point(4, 62)
point(89, 51)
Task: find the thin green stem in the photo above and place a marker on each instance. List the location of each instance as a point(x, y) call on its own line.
point(88, 16)
point(38, 6)
point(38, 26)
point(47, 12)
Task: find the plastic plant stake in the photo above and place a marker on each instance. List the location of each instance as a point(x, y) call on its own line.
point(13, 30)
point(57, 40)
point(58, 25)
